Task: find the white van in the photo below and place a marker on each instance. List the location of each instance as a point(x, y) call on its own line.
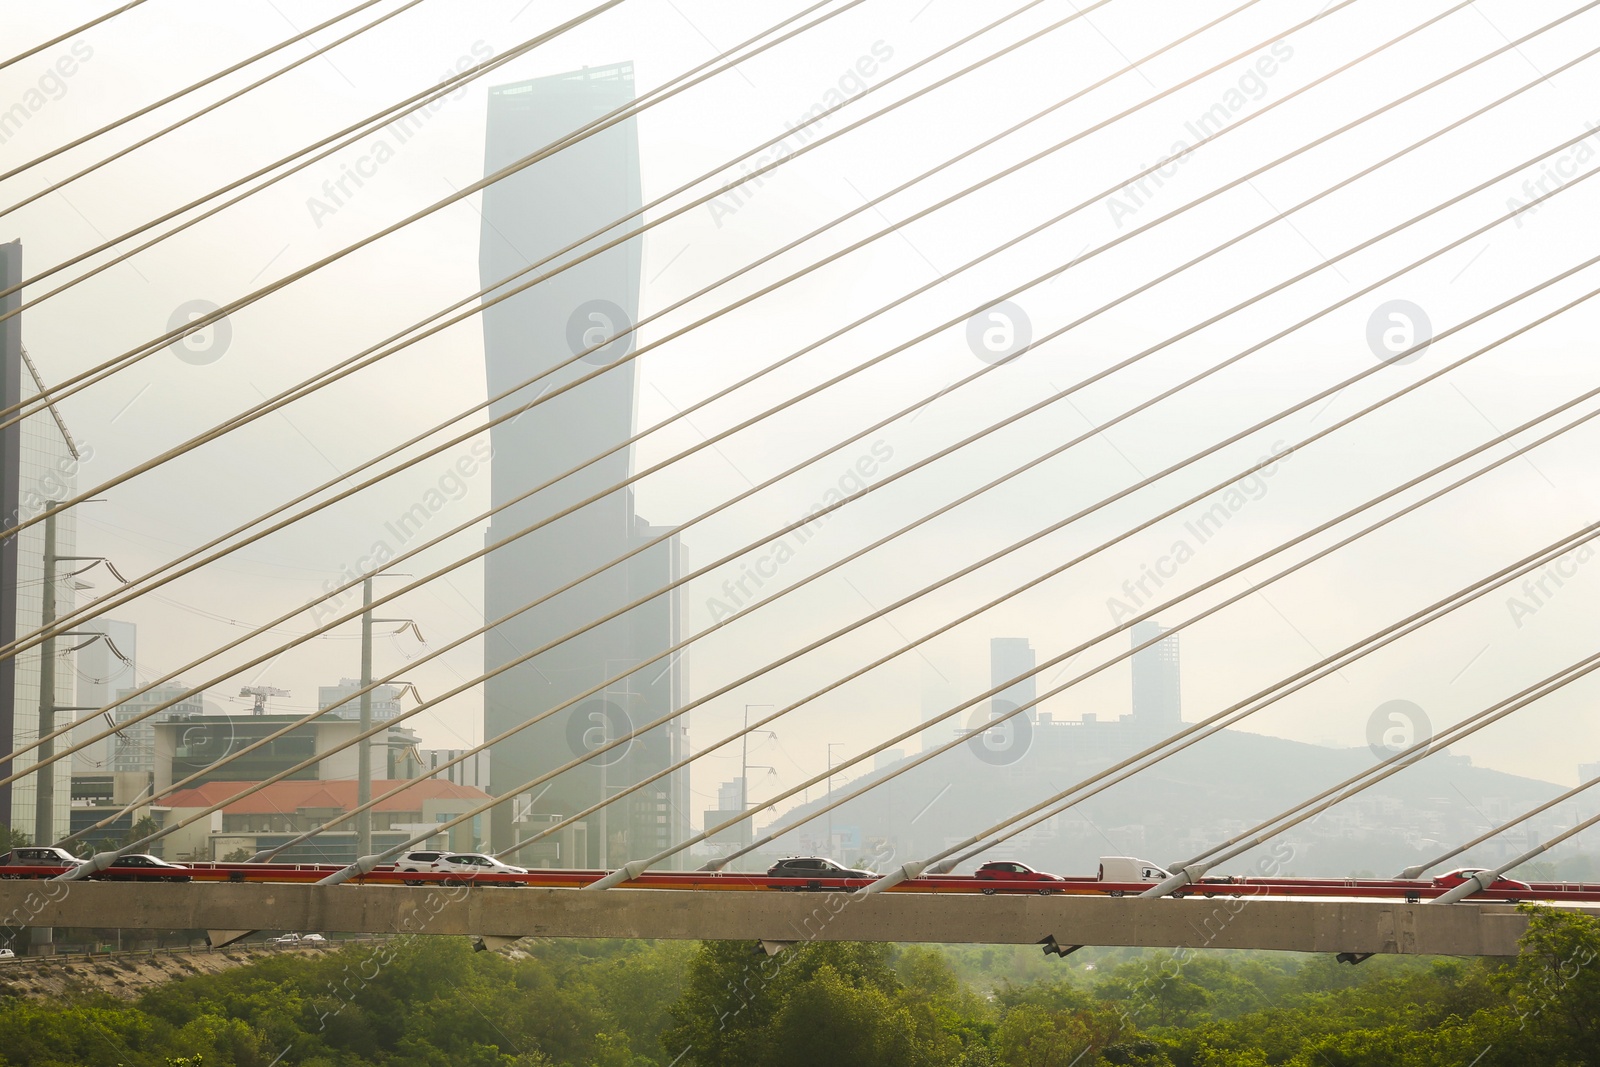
point(1131, 869)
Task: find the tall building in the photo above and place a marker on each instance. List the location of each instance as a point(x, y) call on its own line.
point(385, 700)
point(1011, 657)
point(47, 460)
point(530, 215)
point(105, 667)
point(473, 771)
point(10, 487)
point(133, 746)
point(1157, 699)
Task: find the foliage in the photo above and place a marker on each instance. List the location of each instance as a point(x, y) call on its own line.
point(433, 1002)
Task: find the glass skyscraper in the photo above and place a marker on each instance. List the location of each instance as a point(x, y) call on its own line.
point(526, 217)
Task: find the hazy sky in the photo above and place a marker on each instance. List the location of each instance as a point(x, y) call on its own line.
point(1478, 655)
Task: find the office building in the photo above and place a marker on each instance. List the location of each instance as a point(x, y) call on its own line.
point(385, 700)
point(1157, 697)
point(133, 746)
point(46, 472)
point(473, 770)
point(192, 744)
point(280, 811)
point(106, 666)
point(1012, 657)
point(535, 213)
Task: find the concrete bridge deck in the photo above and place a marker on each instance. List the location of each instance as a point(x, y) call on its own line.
point(1294, 925)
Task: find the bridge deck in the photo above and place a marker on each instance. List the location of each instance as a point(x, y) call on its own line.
point(1297, 925)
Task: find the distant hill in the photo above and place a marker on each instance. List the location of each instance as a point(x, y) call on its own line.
point(1205, 795)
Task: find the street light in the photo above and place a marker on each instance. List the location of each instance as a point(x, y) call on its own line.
point(831, 746)
point(364, 752)
point(744, 769)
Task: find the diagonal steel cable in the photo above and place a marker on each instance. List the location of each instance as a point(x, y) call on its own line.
point(52, 42)
point(708, 698)
point(315, 53)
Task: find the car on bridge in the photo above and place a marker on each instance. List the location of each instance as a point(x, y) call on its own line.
point(40, 856)
point(1011, 871)
point(1451, 879)
point(818, 871)
point(140, 867)
point(474, 863)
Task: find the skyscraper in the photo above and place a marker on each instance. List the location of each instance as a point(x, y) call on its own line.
point(530, 215)
point(1010, 657)
point(1157, 700)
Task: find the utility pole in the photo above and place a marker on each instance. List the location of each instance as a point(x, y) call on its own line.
point(364, 749)
point(44, 810)
point(829, 799)
point(747, 829)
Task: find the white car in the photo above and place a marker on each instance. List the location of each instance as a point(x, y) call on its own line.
point(296, 939)
point(7, 954)
point(473, 863)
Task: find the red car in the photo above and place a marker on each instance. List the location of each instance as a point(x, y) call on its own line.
point(1451, 879)
point(1007, 871)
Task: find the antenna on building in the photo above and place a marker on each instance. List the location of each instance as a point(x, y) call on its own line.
point(261, 693)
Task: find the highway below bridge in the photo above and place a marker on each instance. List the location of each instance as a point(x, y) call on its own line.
point(499, 913)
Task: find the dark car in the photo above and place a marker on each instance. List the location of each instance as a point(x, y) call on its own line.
point(815, 868)
point(1009, 871)
point(1451, 879)
point(143, 868)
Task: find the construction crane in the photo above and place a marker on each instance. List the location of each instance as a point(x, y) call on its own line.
point(261, 693)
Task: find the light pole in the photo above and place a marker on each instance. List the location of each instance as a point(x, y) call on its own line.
point(831, 746)
point(44, 778)
point(44, 796)
point(746, 829)
point(364, 749)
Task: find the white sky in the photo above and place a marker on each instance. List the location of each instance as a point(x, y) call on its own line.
point(1473, 658)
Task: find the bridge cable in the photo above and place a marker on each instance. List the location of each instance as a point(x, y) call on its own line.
point(1193, 870)
point(1417, 869)
point(351, 135)
point(97, 20)
point(493, 802)
point(152, 711)
point(124, 120)
point(481, 299)
point(1149, 613)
